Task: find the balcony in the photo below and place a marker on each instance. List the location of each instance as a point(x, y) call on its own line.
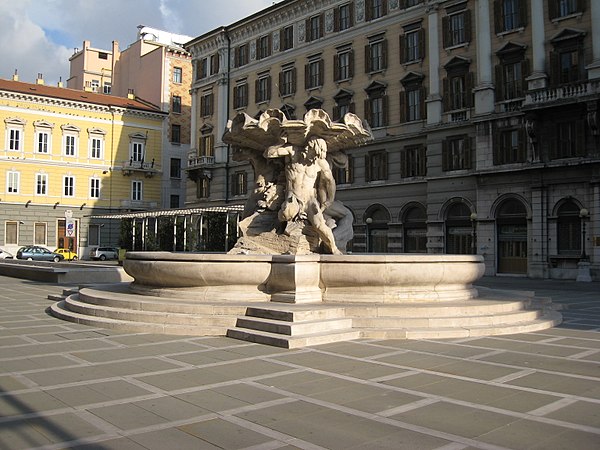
point(147, 168)
point(570, 93)
point(198, 162)
point(458, 116)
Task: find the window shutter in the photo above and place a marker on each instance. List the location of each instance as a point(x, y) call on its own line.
point(268, 96)
point(351, 63)
point(233, 184)
point(554, 68)
point(306, 76)
point(322, 25)
point(384, 7)
point(236, 103)
point(553, 9)
point(336, 19)
point(421, 43)
point(402, 106)
point(525, 72)
point(499, 69)
point(384, 53)
point(350, 169)
point(367, 167)
point(336, 113)
point(422, 152)
point(352, 107)
point(445, 155)
point(368, 110)
point(280, 88)
point(402, 4)
point(351, 8)
point(211, 105)
point(385, 110)
point(368, 10)
point(294, 77)
point(336, 67)
point(367, 58)
point(468, 26)
point(403, 171)
point(446, 31)
point(384, 160)
point(498, 22)
point(256, 94)
point(422, 108)
point(446, 94)
point(580, 149)
point(308, 36)
point(523, 13)
point(321, 72)
point(468, 147)
point(496, 143)
point(236, 57)
point(581, 5)
point(469, 85)
point(522, 144)
point(258, 51)
point(403, 48)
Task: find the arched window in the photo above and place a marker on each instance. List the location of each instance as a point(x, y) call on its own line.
point(459, 230)
point(512, 237)
point(569, 229)
point(377, 219)
point(415, 230)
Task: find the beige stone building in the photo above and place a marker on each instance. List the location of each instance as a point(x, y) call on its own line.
point(484, 114)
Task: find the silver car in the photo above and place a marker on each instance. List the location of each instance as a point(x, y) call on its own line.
point(104, 253)
point(5, 255)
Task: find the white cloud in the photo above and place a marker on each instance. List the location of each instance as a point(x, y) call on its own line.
point(38, 36)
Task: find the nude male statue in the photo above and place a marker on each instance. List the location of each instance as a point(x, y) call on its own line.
point(310, 187)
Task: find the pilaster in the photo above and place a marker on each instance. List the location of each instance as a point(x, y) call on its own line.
point(434, 99)
point(484, 92)
point(538, 78)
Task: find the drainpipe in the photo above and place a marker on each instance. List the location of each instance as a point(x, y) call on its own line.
point(227, 99)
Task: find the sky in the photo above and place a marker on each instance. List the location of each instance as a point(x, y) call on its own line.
point(39, 36)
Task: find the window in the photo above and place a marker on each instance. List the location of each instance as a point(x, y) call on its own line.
point(70, 139)
point(412, 98)
point(376, 166)
point(376, 55)
point(176, 133)
point(509, 15)
point(409, 3)
point(207, 145)
point(263, 89)
point(343, 17)
point(564, 8)
point(343, 64)
point(106, 88)
point(510, 146)
point(95, 188)
point(287, 38)
point(456, 28)
point(177, 75)
point(40, 233)
point(287, 81)
point(415, 230)
point(137, 151)
point(68, 186)
point(12, 182)
point(459, 229)
point(203, 187)
point(374, 9)
point(93, 235)
point(175, 168)
point(344, 175)
point(95, 148)
point(458, 86)
point(42, 141)
point(41, 184)
point(568, 229)
point(456, 153)
point(344, 104)
point(202, 69)
point(240, 95)
point(376, 106)
point(174, 201)
point(313, 103)
point(14, 139)
point(569, 140)
point(95, 84)
point(511, 76)
point(413, 161)
point(314, 73)
point(176, 108)
point(289, 111)
point(136, 190)
point(206, 104)
point(11, 234)
point(412, 44)
point(241, 55)
point(70, 145)
point(314, 28)
point(214, 64)
point(239, 183)
point(263, 47)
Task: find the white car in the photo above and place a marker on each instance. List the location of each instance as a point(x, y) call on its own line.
point(5, 255)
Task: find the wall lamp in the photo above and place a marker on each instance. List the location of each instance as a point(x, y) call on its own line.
point(27, 203)
point(56, 204)
point(21, 222)
point(82, 205)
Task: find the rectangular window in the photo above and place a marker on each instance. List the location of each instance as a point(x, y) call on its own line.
point(70, 142)
point(40, 233)
point(202, 69)
point(287, 38)
point(569, 141)
point(456, 153)
point(263, 47)
point(343, 17)
point(564, 8)
point(413, 161)
point(456, 28)
point(375, 9)
point(43, 138)
point(214, 64)
point(412, 44)
point(314, 74)
point(14, 140)
point(510, 147)
point(102, 55)
point(206, 104)
point(414, 104)
point(41, 184)
point(240, 96)
point(137, 152)
point(287, 82)
point(343, 63)
point(314, 28)
point(376, 109)
point(513, 80)
point(241, 55)
point(568, 66)
point(176, 134)
point(207, 145)
point(174, 201)
point(177, 75)
point(12, 182)
point(203, 188)
point(176, 104)
point(12, 233)
point(175, 168)
point(69, 186)
point(94, 187)
point(106, 88)
point(239, 183)
point(376, 56)
point(263, 89)
point(344, 175)
point(136, 191)
point(96, 148)
point(376, 166)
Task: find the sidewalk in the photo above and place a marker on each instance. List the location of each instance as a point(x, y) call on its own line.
point(64, 385)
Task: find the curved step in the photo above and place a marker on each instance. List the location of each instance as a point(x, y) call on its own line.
point(278, 340)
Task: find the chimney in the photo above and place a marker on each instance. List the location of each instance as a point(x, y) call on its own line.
point(131, 94)
point(60, 83)
point(40, 79)
point(16, 76)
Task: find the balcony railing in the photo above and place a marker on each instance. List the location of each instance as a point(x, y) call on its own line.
point(458, 116)
point(568, 93)
point(130, 166)
point(196, 162)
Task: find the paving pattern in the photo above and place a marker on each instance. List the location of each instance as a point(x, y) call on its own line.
point(64, 385)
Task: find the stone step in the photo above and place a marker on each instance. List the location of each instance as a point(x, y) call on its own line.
point(133, 315)
point(432, 321)
point(293, 328)
point(279, 340)
point(296, 313)
point(59, 310)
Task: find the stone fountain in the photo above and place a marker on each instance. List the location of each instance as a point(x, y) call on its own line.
point(287, 281)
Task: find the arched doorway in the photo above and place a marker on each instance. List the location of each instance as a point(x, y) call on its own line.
point(459, 229)
point(568, 229)
point(511, 225)
point(415, 230)
point(377, 219)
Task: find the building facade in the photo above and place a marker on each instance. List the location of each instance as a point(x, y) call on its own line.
point(483, 111)
point(67, 155)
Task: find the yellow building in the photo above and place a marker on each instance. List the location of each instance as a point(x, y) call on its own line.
point(69, 154)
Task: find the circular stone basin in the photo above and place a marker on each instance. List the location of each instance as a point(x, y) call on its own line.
point(312, 278)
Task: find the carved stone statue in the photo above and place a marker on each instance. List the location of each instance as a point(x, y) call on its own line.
point(292, 208)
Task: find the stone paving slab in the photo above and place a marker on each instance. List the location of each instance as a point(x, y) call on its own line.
point(65, 385)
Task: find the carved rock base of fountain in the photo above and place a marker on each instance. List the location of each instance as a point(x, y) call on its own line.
point(293, 300)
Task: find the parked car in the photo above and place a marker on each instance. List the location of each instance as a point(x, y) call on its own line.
point(104, 253)
point(5, 255)
point(37, 253)
point(68, 254)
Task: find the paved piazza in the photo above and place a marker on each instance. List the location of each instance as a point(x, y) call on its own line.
point(64, 385)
